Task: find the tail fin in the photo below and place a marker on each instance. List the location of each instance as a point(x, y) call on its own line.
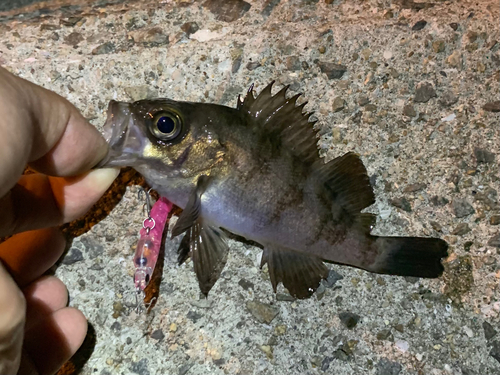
point(410, 256)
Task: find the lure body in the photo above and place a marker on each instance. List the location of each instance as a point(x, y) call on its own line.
point(148, 247)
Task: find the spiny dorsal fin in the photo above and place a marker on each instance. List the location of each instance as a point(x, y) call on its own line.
point(280, 117)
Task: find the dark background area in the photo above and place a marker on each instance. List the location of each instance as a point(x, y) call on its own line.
point(12, 4)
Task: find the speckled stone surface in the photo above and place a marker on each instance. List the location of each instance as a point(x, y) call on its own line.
point(417, 100)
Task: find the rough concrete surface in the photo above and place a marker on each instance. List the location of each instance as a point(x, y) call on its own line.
point(413, 87)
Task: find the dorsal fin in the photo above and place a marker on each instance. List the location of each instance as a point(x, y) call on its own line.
point(348, 183)
point(279, 116)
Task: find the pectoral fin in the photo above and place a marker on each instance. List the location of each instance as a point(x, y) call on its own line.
point(300, 274)
point(192, 211)
point(204, 243)
point(184, 250)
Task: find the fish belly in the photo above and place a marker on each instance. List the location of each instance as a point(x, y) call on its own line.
point(264, 218)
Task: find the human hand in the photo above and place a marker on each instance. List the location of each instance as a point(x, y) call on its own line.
point(38, 333)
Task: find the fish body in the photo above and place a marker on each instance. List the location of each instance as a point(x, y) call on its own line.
point(255, 171)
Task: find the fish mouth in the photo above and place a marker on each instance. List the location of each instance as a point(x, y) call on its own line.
point(124, 138)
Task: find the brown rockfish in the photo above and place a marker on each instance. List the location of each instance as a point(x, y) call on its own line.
point(255, 171)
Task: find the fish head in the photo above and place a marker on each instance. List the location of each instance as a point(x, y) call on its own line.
point(161, 138)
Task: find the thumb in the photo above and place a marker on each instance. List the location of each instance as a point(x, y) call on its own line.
point(42, 128)
point(40, 201)
point(12, 319)
point(76, 195)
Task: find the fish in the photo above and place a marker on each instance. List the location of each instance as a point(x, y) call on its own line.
point(255, 172)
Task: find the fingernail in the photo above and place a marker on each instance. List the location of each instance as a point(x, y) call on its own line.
point(103, 178)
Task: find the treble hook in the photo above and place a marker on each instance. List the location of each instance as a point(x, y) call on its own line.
point(139, 296)
point(148, 200)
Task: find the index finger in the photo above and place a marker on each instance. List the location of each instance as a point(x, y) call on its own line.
point(42, 128)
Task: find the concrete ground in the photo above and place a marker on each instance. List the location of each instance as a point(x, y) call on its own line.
point(413, 87)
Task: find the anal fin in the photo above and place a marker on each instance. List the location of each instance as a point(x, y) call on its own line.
point(300, 274)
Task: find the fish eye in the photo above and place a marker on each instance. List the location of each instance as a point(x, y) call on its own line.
point(166, 125)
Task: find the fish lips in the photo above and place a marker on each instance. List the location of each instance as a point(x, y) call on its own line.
point(124, 137)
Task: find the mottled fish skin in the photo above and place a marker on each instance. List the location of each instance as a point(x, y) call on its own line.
point(255, 171)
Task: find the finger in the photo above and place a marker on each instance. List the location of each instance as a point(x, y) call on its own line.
point(48, 131)
point(44, 296)
point(28, 255)
point(12, 314)
point(39, 201)
point(53, 341)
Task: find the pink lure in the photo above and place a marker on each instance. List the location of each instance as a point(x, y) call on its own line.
point(149, 244)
